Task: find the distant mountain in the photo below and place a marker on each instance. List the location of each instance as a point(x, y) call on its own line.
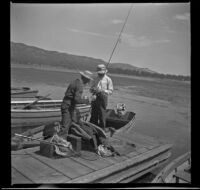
point(126, 66)
point(22, 53)
point(25, 54)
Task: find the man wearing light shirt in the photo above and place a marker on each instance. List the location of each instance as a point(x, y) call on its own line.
point(101, 87)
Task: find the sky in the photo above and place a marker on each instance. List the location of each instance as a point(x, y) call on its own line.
point(156, 35)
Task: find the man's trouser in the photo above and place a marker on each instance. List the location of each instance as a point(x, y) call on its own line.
point(97, 139)
point(98, 113)
point(68, 115)
point(66, 120)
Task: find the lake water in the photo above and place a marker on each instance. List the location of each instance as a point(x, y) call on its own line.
point(156, 116)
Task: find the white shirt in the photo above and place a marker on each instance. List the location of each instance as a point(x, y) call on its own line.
point(105, 84)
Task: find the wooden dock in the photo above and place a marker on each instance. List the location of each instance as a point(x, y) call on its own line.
point(28, 166)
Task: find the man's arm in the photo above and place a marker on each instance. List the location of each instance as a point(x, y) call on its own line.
point(109, 91)
point(93, 87)
point(78, 95)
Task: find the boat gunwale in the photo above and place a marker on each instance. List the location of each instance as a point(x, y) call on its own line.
point(31, 101)
point(24, 92)
point(42, 110)
point(34, 110)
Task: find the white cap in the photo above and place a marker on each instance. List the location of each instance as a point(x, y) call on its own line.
point(101, 69)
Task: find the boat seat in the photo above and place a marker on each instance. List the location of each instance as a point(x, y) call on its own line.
point(182, 175)
point(33, 107)
point(16, 108)
point(188, 169)
point(113, 119)
point(126, 117)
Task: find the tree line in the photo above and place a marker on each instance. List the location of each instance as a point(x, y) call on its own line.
point(148, 74)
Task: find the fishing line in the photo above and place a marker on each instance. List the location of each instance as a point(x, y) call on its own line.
point(119, 36)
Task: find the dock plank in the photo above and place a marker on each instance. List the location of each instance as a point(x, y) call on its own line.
point(141, 150)
point(66, 166)
point(145, 139)
point(132, 154)
point(134, 172)
point(96, 164)
point(18, 153)
point(138, 141)
point(115, 159)
point(18, 178)
point(182, 175)
point(124, 141)
point(102, 173)
point(123, 146)
point(37, 171)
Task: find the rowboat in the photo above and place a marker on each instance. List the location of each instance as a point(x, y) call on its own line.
point(49, 111)
point(42, 112)
point(119, 122)
point(139, 155)
point(178, 171)
point(23, 92)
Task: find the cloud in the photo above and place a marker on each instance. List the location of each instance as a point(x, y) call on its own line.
point(89, 33)
point(131, 40)
point(140, 41)
point(168, 29)
point(182, 17)
point(116, 21)
point(160, 4)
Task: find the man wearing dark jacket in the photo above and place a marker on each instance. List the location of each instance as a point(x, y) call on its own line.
point(73, 96)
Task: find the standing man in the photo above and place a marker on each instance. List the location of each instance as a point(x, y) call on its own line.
point(73, 96)
point(101, 87)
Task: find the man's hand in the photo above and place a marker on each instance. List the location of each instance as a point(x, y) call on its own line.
point(93, 98)
point(87, 101)
point(95, 90)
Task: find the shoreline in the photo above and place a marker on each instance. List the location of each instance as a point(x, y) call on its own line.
point(61, 69)
point(155, 117)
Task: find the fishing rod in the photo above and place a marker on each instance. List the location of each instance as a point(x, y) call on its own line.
point(119, 35)
point(75, 66)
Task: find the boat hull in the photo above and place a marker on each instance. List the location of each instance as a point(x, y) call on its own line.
point(23, 92)
point(46, 111)
point(20, 118)
point(50, 111)
point(119, 122)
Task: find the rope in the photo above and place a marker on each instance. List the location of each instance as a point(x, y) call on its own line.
point(79, 154)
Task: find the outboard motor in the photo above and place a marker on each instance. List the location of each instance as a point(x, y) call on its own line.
point(121, 109)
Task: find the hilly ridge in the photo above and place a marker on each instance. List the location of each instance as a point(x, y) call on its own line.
point(22, 53)
point(30, 55)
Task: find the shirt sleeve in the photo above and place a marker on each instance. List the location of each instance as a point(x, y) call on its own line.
point(109, 90)
point(92, 86)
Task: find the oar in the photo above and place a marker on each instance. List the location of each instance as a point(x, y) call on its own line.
point(40, 98)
